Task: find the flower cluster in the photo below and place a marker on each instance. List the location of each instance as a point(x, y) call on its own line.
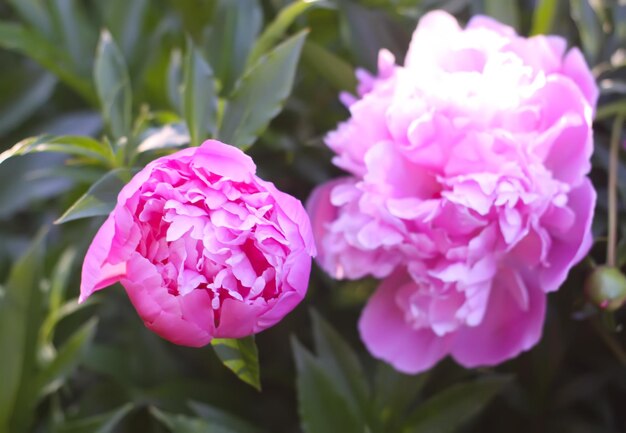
point(203, 247)
point(467, 192)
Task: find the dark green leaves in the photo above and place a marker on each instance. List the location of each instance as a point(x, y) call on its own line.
point(332, 390)
point(233, 29)
point(19, 305)
point(103, 423)
point(506, 12)
point(450, 409)
point(589, 27)
point(340, 363)
point(277, 28)
point(51, 377)
point(334, 393)
point(260, 94)
point(543, 16)
point(113, 87)
point(100, 198)
point(333, 68)
point(241, 357)
point(199, 96)
point(222, 418)
point(84, 147)
point(27, 41)
point(322, 407)
point(186, 424)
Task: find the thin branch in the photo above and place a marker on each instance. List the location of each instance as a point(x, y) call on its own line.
point(613, 167)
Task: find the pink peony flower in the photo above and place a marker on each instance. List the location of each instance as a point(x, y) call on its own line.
point(468, 191)
point(203, 247)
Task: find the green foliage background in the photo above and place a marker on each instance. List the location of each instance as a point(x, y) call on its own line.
point(90, 90)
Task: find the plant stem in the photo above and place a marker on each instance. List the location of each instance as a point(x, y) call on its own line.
point(610, 341)
point(613, 167)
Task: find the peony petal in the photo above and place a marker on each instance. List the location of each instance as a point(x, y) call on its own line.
point(97, 273)
point(388, 337)
point(506, 329)
point(569, 248)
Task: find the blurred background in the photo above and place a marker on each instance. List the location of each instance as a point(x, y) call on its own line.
point(95, 368)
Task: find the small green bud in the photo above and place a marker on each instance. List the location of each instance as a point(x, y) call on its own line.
point(606, 288)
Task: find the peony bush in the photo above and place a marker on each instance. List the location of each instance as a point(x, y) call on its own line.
point(458, 264)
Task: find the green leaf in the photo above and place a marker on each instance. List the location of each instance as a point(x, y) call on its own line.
point(219, 417)
point(60, 279)
point(18, 38)
point(51, 377)
point(171, 135)
point(17, 110)
point(113, 86)
point(394, 393)
point(72, 145)
point(506, 12)
point(234, 28)
point(56, 309)
point(175, 80)
point(100, 199)
point(341, 364)
point(589, 27)
point(199, 96)
point(186, 424)
point(275, 31)
point(34, 13)
point(76, 32)
point(619, 18)
point(126, 22)
point(241, 356)
point(28, 179)
point(322, 408)
point(261, 94)
point(333, 68)
point(20, 302)
point(453, 407)
point(543, 16)
point(369, 31)
point(103, 423)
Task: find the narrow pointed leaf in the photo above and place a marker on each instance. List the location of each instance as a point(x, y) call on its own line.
point(543, 16)
point(331, 67)
point(219, 417)
point(589, 27)
point(51, 377)
point(234, 28)
point(261, 94)
point(17, 110)
point(19, 321)
point(113, 86)
point(100, 199)
point(72, 145)
point(276, 30)
point(394, 393)
point(34, 13)
point(450, 409)
point(187, 424)
point(175, 80)
point(103, 423)
point(241, 356)
point(199, 97)
point(26, 41)
point(322, 408)
point(76, 32)
point(341, 363)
